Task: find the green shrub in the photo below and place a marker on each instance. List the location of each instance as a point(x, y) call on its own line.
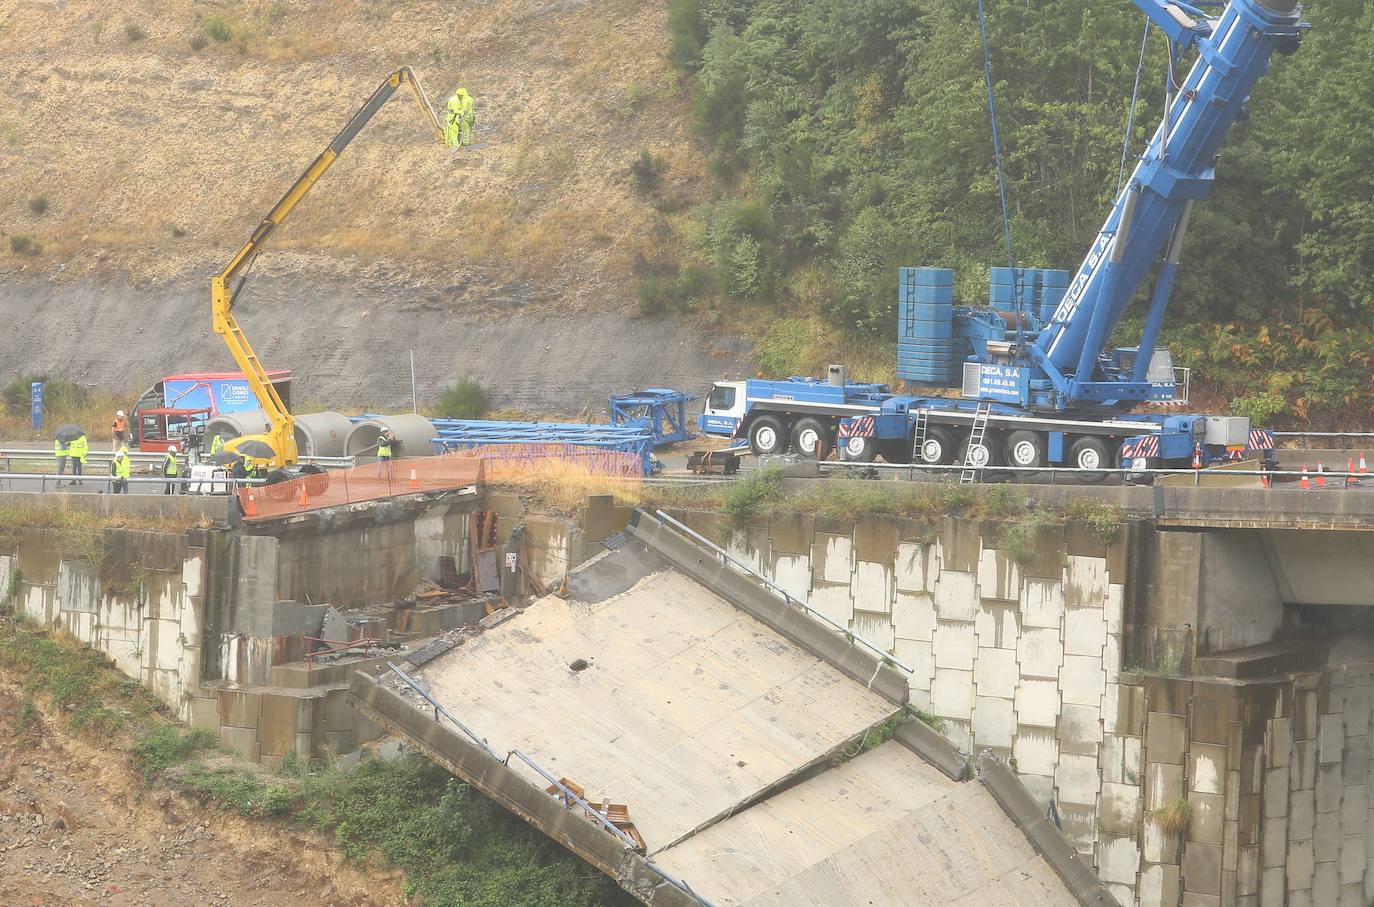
point(198, 42)
point(134, 32)
point(58, 393)
point(24, 244)
point(219, 28)
point(167, 745)
point(278, 800)
point(1261, 407)
point(1101, 517)
point(646, 172)
point(462, 400)
point(750, 496)
point(658, 295)
point(39, 204)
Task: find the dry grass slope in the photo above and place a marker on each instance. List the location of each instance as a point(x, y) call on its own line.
point(158, 133)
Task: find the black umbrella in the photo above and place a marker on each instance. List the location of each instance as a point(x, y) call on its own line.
point(224, 458)
point(253, 448)
point(68, 433)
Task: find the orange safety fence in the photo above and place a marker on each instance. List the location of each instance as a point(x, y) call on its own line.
point(517, 461)
point(361, 483)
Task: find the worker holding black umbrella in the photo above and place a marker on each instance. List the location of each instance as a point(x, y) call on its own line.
point(61, 448)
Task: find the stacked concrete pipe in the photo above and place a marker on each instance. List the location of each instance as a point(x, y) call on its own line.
point(414, 432)
point(322, 434)
point(235, 425)
point(317, 434)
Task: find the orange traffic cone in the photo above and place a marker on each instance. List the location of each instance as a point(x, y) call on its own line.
point(1321, 479)
point(414, 479)
point(1351, 480)
point(1197, 456)
point(1364, 470)
point(1264, 480)
point(1304, 484)
point(250, 505)
point(303, 498)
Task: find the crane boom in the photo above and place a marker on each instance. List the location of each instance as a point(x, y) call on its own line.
point(1151, 212)
point(225, 286)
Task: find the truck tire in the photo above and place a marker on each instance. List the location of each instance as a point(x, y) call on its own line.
point(1089, 454)
point(937, 449)
point(1025, 449)
point(980, 456)
point(858, 450)
point(811, 438)
point(767, 436)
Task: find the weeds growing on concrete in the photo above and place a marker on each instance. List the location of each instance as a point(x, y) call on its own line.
point(751, 496)
point(1175, 817)
point(874, 737)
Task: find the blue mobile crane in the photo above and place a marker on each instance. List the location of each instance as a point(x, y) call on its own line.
point(1037, 384)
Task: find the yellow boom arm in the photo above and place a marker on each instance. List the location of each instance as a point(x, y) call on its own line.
point(225, 286)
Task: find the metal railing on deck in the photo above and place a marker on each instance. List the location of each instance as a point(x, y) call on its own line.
point(566, 794)
point(726, 558)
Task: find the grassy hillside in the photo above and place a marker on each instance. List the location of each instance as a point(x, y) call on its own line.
point(148, 138)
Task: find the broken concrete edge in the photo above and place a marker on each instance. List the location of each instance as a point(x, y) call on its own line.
point(1044, 835)
point(932, 746)
point(449, 748)
point(791, 622)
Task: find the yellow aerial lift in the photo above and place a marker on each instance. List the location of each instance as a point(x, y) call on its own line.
point(281, 437)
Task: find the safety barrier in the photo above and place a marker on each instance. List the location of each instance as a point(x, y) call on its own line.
point(361, 483)
point(517, 461)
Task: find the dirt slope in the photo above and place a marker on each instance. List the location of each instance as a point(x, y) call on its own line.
point(156, 160)
point(76, 827)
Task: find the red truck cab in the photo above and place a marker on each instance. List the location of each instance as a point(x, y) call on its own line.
point(157, 429)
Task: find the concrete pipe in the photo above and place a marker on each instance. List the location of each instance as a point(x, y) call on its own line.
point(233, 425)
point(414, 433)
point(322, 434)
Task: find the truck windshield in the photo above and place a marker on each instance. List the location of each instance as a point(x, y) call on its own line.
point(722, 397)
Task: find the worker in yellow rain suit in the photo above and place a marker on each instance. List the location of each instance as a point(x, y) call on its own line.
point(458, 129)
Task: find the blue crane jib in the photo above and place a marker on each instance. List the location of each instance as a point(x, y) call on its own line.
point(1051, 357)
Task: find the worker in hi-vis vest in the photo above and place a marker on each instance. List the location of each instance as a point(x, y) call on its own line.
point(76, 458)
point(120, 467)
point(60, 454)
point(458, 129)
point(170, 468)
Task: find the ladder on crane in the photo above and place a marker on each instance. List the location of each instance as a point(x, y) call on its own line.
point(918, 436)
point(975, 440)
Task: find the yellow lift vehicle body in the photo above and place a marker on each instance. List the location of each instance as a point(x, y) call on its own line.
point(225, 286)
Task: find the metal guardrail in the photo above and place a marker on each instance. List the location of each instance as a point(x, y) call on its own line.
point(1324, 434)
point(139, 457)
point(726, 558)
point(106, 482)
point(1053, 471)
point(568, 796)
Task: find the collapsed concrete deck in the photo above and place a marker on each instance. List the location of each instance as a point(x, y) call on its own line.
point(720, 717)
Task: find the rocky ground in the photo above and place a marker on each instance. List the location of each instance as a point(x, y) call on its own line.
point(78, 826)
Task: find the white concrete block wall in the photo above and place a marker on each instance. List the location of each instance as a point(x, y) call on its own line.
point(152, 636)
point(1027, 665)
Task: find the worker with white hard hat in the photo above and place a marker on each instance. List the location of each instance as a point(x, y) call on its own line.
point(170, 469)
point(120, 467)
point(119, 430)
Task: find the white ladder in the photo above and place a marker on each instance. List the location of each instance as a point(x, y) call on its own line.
point(918, 437)
point(975, 439)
